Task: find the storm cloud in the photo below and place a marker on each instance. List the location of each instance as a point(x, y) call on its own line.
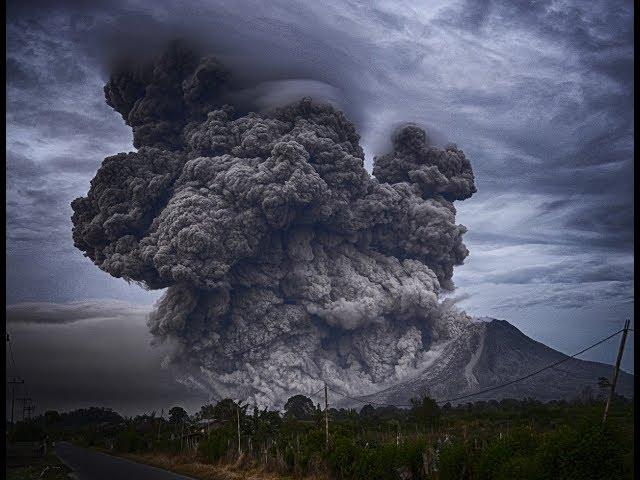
point(267, 229)
point(539, 96)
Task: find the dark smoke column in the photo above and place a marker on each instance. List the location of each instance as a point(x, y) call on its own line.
point(286, 262)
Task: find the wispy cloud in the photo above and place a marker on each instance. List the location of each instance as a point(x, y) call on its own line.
point(63, 313)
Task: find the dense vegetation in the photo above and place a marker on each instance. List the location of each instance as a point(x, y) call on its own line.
point(522, 439)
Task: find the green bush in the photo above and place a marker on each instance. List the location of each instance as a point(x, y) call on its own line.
point(586, 452)
point(312, 448)
point(491, 461)
point(453, 462)
point(215, 445)
point(27, 432)
point(348, 460)
point(522, 467)
point(343, 457)
point(129, 441)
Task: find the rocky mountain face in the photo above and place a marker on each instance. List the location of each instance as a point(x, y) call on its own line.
point(494, 352)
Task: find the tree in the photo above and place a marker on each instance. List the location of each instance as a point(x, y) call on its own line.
point(51, 417)
point(425, 411)
point(207, 411)
point(585, 396)
point(299, 407)
point(226, 409)
point(604, 383)
point(367, 411)
point(264, 423)
point(27, 431)
point(177, 415)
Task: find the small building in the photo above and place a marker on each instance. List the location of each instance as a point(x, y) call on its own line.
point(205, 425)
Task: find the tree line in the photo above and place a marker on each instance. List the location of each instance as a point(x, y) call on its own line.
point(510, 438)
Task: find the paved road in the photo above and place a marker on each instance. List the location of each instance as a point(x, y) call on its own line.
point(90, 465)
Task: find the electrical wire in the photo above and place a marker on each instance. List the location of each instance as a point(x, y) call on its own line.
point(496, 387)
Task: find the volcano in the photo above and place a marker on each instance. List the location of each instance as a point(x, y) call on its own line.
point(492, 352)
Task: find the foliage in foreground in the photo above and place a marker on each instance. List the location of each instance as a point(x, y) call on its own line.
point(521, 439)
point(589, 451)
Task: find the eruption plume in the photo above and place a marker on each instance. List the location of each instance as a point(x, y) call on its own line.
point(285, 262)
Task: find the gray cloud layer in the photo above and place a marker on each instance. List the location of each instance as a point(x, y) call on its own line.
point(61, 313)
point(542, 94)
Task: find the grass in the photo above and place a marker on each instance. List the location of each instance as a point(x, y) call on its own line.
point(48, 467)
point(192, 467)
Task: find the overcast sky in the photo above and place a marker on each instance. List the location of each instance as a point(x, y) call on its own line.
point(539, 95)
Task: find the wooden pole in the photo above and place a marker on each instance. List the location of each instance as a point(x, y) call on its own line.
point(13, 382)
point(326, 416)
point(616, 370)
point(238, 412)
point(182, 436)
point(160, 423)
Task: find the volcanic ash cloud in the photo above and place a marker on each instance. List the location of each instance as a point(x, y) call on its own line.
point(285, 262)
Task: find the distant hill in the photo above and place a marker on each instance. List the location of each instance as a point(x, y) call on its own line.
point(492, 352)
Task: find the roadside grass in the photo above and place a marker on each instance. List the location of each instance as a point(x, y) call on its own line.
point(48, 467)
point(192, 467)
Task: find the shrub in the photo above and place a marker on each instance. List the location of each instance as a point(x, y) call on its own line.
point(586, 452)
point(348, 460)
point(27, 432)
point(491, 461)
point(452, 462)
point(129, 441)
point(522, 467)
point(215, 445)
point(343, 457)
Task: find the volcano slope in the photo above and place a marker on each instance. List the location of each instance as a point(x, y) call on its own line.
point(493, 352)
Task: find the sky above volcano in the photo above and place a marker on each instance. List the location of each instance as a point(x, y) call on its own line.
point(539, 95)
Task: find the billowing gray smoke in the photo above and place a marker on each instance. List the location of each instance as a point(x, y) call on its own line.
point(286, 262)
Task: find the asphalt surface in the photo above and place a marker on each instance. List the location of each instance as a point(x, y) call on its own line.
point(90, 465)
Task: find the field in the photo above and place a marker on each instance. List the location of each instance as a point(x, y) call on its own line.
point(509, 439)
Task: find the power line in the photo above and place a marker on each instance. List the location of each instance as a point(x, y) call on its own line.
point(368, 402)
point(315, 393)
point(360, 400)
point(496, 387)
point(532, 373)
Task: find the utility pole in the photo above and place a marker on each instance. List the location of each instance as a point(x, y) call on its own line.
point(30, 408)
point(160, 423)
point(13, 381)
point(326, 416)
point(26, 404)
point(238, 416)
point(182, 436)
point(616, 369)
